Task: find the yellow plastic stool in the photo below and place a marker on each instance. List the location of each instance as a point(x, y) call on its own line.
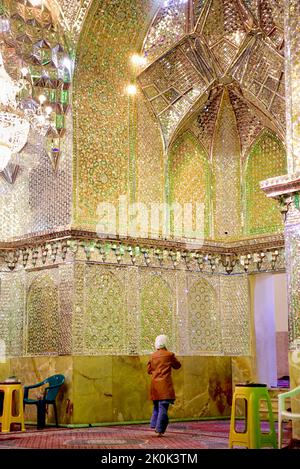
point(7, 417)
point(252, 437)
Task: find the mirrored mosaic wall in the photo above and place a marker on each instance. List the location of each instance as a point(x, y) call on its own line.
point(292, 38)
point(227, 184)
point(292, 243)
point(89, 309)
point(150, 158)
point(226, 170)
point(267, 156)
point(119, 143)
point(196, 47)
point(104, 114)
point(189, 168)
point(35, 194)
point(40, 200)
point(292, 224)
point(73, 12)
point(121, 146)
point(37, 311)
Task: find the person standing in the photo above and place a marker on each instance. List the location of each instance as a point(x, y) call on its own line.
point(162, 390)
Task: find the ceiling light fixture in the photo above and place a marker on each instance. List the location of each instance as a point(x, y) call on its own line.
point(131, 90)
point(138, 60)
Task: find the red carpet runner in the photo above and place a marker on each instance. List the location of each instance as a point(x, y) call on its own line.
point(183, 435)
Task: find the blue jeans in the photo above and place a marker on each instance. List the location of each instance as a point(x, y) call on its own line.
point(160, 419)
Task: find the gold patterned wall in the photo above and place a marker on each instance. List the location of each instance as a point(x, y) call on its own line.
point(37, 311)
point(12, 312)
point(157, 309)
point(292, 37)
point(42, 316)
point(266, 158)
point(188, 307)
point(236, 328)
point(118, 142)
point(150, 157)
point(204, 315)
point(105, 318)
point(107, 309)
point(105, 141)
point(292, 253)
point(103, 309)
point(226, 169)
point(189, 179)
point(292, 221)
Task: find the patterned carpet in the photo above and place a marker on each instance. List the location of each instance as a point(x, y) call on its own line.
point(180, 435)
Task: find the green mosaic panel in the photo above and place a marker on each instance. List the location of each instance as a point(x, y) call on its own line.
point(66, 306)
point(189, 178)
point(267, 158)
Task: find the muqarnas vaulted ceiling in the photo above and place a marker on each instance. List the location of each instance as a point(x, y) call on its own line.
point(196, 48)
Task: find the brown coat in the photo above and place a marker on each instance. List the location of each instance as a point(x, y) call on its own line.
point(160, 367)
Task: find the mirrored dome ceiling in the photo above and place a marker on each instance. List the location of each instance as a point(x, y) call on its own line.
point(196, 48)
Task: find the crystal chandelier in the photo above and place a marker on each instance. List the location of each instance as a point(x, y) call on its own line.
point(33, 34)
point(14, 128)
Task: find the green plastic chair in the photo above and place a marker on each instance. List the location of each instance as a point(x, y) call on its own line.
point(284, 414)
point(50, 393)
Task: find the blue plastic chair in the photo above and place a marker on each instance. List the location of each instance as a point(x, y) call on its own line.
point(49, 396)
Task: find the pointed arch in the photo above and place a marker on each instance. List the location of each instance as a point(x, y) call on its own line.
point(189, 177)
point(204, 320)
point(42, 317)
point(105, 322)
point(266, 158)
point(156, 306)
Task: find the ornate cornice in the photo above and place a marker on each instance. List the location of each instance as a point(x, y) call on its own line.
point(282, 185)
point(248, 255)
point(251, 244)
point(285, 189)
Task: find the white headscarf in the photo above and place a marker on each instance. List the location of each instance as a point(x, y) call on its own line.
point(161, 341)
